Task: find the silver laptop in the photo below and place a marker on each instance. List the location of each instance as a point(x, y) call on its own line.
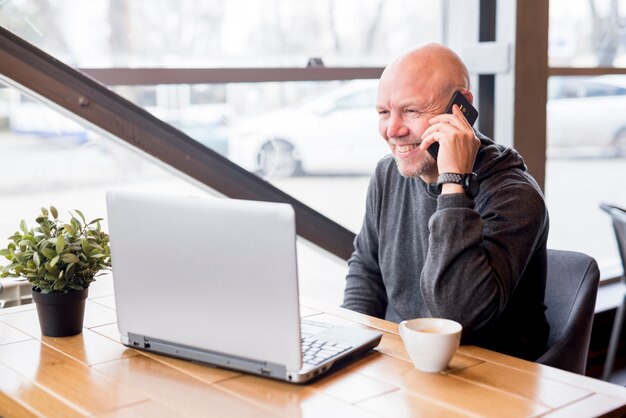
point(215, 281)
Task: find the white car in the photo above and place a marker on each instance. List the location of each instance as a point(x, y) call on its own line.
point(586, 116)
point(336, 133)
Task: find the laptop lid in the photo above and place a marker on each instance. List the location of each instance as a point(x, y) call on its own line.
point(207, 273)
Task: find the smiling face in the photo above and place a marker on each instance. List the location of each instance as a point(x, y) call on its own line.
point(414, 88)
point(404, 106)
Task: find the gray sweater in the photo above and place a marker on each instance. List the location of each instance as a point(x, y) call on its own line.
point(480, 262)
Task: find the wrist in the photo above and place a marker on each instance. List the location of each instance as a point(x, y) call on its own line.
point(448, 188)
point(459, 183)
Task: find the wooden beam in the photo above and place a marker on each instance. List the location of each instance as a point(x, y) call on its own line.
point(153, 76)
point(531, 78)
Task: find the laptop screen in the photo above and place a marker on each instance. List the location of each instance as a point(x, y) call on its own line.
point(210, 273)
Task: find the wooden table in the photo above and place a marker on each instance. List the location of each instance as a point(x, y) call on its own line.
point(93, 374)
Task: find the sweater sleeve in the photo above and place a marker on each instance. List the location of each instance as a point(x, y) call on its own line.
point(475, 261)
point(365, 291)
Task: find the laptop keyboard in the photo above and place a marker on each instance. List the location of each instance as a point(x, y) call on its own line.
point(316, 351)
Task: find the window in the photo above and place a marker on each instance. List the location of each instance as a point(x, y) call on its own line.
point(223, 34)
point(587, 33)
point(586, 127)
point(365, 99)
point(55, 167)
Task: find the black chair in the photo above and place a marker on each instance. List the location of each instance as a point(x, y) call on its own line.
point(571, 289)
point(618, 215)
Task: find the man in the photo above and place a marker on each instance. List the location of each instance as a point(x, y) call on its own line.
point(436, 250)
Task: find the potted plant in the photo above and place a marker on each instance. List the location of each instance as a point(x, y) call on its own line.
point(60, 260)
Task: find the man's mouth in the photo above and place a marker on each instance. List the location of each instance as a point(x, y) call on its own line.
point(406, 148)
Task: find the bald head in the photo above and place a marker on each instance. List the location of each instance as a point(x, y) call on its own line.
point(434, 62)
point(432, 69)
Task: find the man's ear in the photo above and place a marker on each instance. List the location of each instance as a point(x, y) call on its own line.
point(468, 95)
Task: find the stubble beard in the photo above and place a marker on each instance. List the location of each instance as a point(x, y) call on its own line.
point(410, 169)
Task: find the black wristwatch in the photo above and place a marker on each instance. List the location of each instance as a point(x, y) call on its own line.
point(469, 181)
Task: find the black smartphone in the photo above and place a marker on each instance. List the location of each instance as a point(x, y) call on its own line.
point(468, 111)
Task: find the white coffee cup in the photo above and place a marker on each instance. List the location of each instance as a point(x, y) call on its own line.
point(430, 342)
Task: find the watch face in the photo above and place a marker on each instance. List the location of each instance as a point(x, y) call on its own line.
point(472, 185)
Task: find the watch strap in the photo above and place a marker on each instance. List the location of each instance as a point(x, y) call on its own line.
point(455, 178)
point(469, 182)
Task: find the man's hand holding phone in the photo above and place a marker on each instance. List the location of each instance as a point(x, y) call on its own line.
point(452, 133)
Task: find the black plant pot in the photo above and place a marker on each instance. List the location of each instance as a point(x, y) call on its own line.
point(61, 314)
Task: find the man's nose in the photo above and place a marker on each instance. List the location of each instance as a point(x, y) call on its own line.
point(396, 127)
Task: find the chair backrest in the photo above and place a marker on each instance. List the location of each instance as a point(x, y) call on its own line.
point(618, 215)
point(571, 289)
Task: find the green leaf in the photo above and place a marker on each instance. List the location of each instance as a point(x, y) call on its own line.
point(60, 244)
point(94, 221)
point(25, 243)
point(4, 252)
point(21, 257)
point(49, 253)
point(23, 226)
point(44, 212)
point(55, 213)
point(97, 255)
point(36, 259)
point(45, 228)
point(69, 271)
point(60, 285)
point(75, 287)
point(69, 258)
point(54, 261)
point(70, 229)
point(81, 215)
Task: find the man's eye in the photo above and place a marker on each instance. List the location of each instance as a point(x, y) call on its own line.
point(383, 112)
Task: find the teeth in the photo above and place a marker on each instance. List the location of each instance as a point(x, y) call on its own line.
point(406, 148)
